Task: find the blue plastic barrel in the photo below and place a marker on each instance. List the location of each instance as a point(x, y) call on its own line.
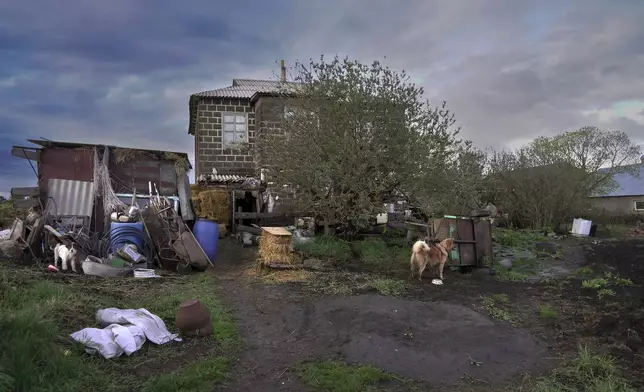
point(115, 227)
point(207, 233)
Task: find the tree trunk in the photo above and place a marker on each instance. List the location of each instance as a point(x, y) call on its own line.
point(327, 228)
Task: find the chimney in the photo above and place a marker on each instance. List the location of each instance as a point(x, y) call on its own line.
point(283, 71)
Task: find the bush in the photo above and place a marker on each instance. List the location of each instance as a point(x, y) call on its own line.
point(326, 247)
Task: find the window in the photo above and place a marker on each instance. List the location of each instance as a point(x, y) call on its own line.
point(235, 129)
point(639, 206)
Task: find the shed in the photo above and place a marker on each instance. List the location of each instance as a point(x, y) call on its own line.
point(130, 169)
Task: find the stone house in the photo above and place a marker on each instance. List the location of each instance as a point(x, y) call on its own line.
point(227, 123)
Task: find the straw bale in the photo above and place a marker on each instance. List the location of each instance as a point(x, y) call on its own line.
point(276, 249)
point(212, 204)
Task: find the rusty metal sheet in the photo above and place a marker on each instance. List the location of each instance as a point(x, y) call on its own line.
point(484, 245)
point(65, 164)
point(136, 174)
point(69, 197)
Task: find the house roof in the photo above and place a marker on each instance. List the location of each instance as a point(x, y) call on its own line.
point(243, 88)
point(240, 89)
point(628, 185)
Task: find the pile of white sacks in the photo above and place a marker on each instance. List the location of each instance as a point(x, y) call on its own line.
point(124, 332)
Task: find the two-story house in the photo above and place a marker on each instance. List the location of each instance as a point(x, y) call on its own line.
point(228, 122)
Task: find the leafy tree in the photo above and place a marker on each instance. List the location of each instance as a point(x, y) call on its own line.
point(550, 180)
point(353, 134)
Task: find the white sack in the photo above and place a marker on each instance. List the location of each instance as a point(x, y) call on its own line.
point(153, 327)
point(111, 341)
point(124, 332)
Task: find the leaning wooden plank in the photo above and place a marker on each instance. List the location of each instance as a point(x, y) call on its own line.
point(26, 203)
point(26, 153)
point(25, 192)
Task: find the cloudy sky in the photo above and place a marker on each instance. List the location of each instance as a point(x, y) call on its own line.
point(121, 71)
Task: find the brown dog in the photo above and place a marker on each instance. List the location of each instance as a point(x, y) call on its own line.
point(434, 255)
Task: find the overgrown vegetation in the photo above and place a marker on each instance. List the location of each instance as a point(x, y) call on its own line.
point(326, 247)
point(588, 372)
point(336, 376)
point(37, 315)
point(563, 170)
point(7, 213)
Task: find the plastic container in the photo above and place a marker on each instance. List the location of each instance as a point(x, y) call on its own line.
point(115, 227)
point(581, 227)
point(207, 233)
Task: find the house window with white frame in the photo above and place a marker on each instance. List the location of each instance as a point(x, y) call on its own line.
point(235, 129)
point(639, 205)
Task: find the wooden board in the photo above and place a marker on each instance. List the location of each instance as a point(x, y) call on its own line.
point(26, 203)
point(30, 153)
point(280, 231)
point(25, 192)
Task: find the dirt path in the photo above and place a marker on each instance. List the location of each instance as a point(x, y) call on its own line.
point(434, 342)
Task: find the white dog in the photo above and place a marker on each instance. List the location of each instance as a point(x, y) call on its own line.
point(66, 255)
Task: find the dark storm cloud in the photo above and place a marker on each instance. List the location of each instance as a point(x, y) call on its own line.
point(121, 72)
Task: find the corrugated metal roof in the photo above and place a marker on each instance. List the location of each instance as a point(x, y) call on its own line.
point(221, 178)
point(240, 89)
point(244, 88)
point(628, 185)
point(68, 197)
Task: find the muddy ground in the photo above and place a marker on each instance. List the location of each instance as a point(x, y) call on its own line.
point(439, 336)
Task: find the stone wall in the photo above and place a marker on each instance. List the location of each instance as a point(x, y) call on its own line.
point(263, 117)
point(209, 149)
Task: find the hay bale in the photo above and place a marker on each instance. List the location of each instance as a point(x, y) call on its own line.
point(276, 247)
point(213, 204)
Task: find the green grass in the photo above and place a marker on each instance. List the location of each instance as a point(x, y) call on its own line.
point(588, 372)
point(596, 283)
point(388, 286)
point(382, 255)
point(326, 247)
point(511, 275)
point(623, 282)
point(604, 293)
point(198, 377)
point(547, 312)
point(336, 376)
point(584, 272)
point(520, 239)
point(37, 315)
point(495, 306)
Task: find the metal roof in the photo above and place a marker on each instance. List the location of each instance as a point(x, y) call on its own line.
point(51, 143)
point(628, 185)
point(245, 88)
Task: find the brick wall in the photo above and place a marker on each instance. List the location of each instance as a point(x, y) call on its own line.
point(209, 149)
